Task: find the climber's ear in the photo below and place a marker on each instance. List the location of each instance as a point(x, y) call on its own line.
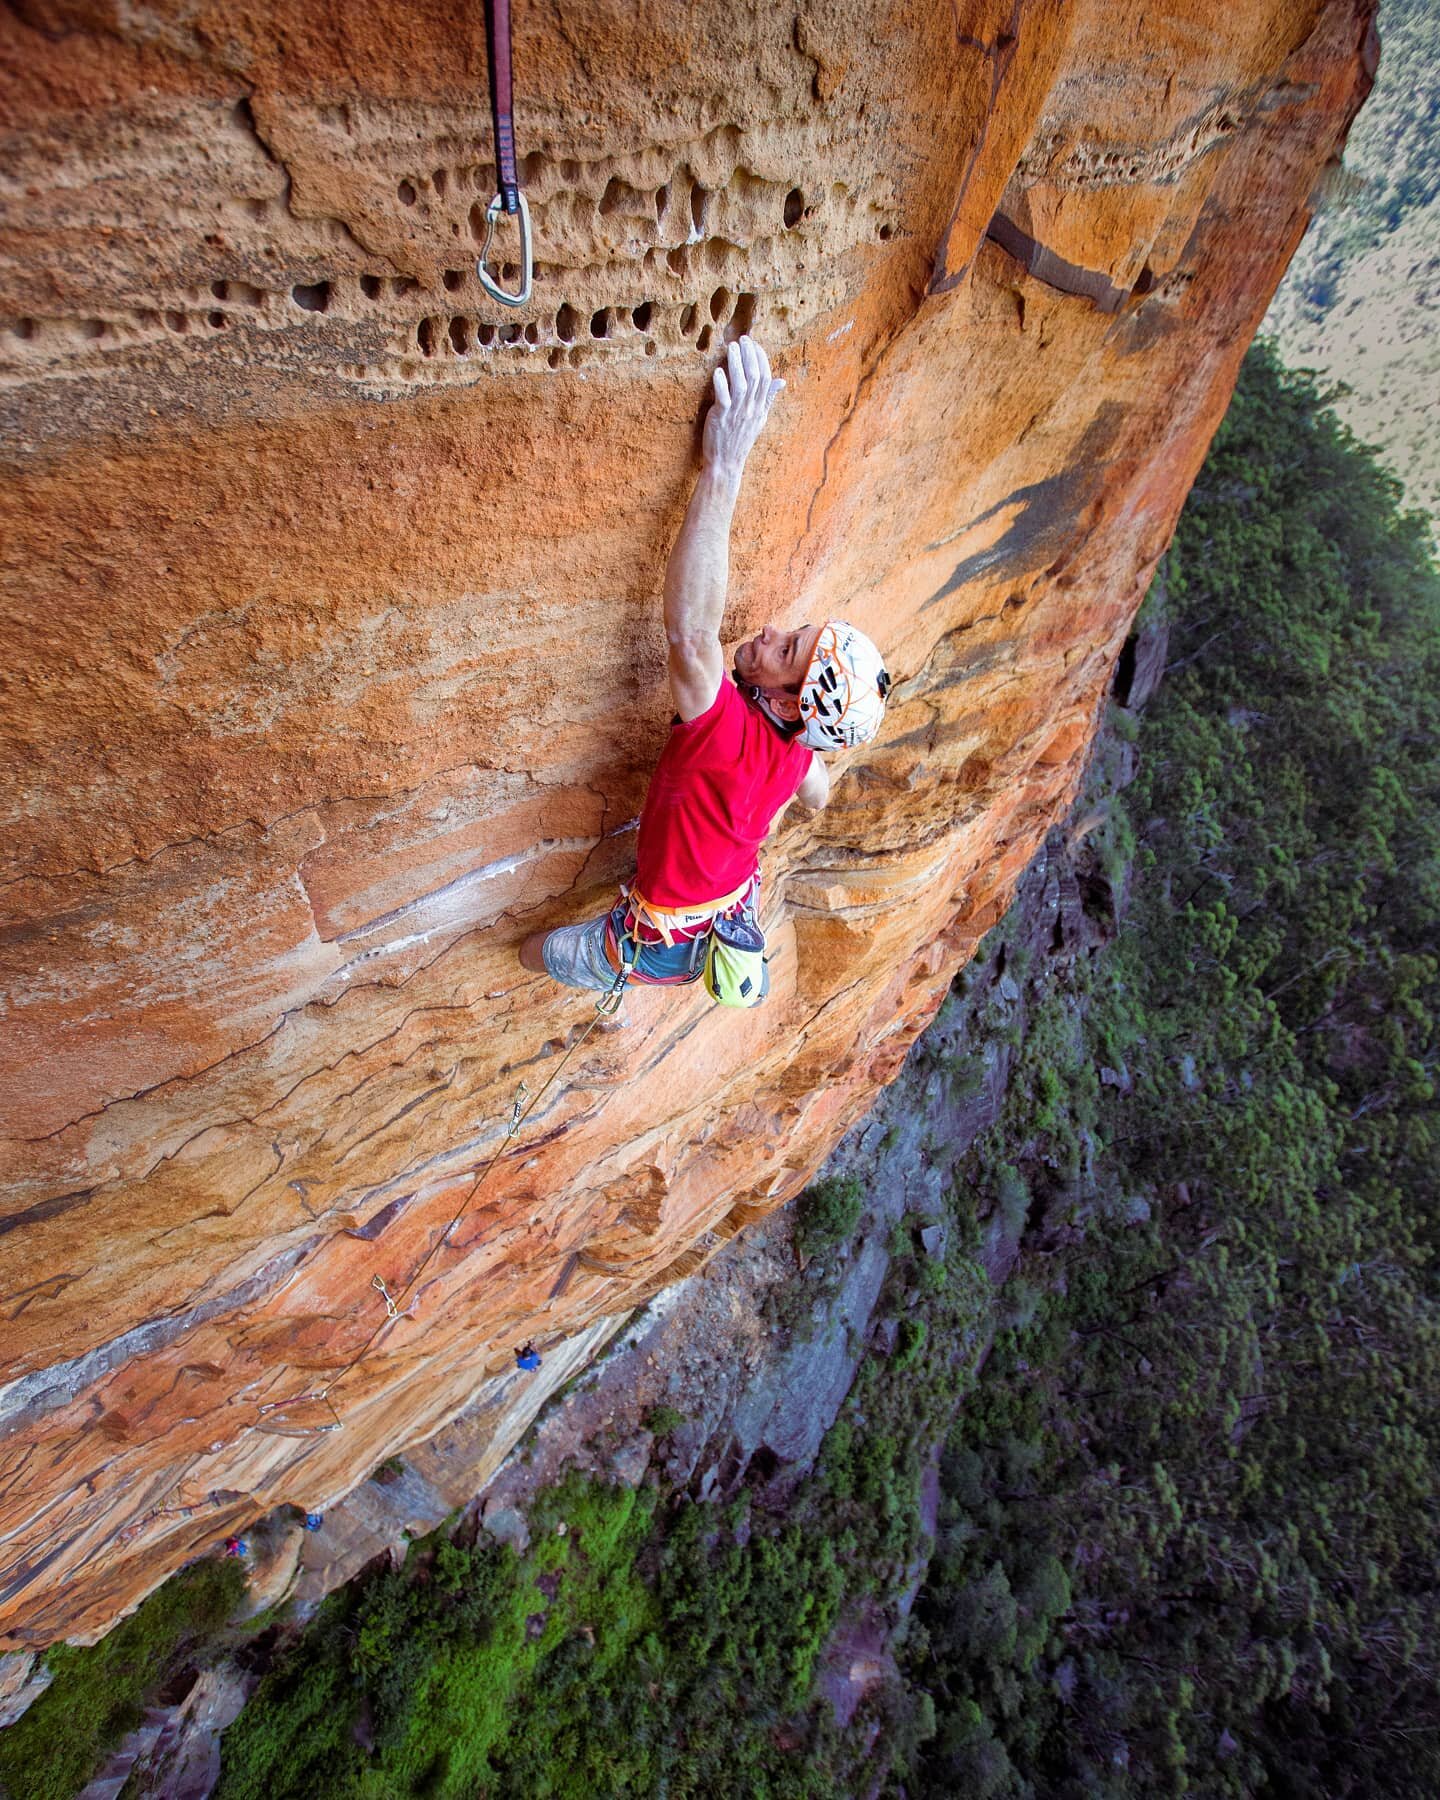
point(783, 704)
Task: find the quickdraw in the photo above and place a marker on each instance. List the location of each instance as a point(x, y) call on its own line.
point(392, 1311)
point(508, 198)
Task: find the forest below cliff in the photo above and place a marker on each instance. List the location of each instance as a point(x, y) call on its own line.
point(1190, 1513)
point(1183, 1535)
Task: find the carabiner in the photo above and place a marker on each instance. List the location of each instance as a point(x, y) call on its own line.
point(609, 1004)
point(392, 1311)
point(527, 265)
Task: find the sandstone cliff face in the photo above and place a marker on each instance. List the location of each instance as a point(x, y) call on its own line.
point(332, 663)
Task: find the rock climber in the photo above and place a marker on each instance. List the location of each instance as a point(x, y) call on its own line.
point(738, 751)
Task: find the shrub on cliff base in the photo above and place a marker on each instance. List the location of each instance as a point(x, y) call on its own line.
point(663, 1419)
point(827, 1213)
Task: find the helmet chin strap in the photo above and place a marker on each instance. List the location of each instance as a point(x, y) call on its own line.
point(753, 691)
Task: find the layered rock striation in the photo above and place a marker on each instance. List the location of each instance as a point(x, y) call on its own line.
point(332, 660)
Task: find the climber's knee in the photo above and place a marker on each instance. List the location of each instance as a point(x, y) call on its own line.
point(576, 955)
point(573, 955)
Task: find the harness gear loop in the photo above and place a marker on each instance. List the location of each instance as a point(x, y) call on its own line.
point(508, 198)
point(609, 1004)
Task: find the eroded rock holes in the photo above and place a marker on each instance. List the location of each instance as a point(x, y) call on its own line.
point(742, 319)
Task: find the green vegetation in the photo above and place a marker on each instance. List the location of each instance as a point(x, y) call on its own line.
point(827, 1213)
point(433, 1665)
point(100, 1694)
point(662, 1420)
point(1188, 1522)
point(639, 1651)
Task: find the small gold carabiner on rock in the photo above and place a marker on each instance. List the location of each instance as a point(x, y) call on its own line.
point(527, 263)
point(392, 1311)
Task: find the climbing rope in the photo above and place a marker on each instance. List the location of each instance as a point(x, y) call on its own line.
point(508, 198)
point(272, 1412)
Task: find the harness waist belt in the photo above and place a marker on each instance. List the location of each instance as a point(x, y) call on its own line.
point(668, 922)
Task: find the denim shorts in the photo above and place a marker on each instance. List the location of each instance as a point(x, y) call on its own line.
point(575, 955)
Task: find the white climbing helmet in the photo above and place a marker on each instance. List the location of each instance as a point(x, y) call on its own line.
point(842, 698)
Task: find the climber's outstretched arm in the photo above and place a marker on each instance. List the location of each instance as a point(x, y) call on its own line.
point(698, 572)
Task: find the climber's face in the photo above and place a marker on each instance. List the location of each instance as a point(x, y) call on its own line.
point(777, 659)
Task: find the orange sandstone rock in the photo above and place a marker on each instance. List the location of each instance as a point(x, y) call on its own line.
point(332, 661)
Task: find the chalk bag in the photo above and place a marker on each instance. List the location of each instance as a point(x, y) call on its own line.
point(735, 972)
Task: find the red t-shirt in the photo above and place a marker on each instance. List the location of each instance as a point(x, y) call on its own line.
point(715, 792)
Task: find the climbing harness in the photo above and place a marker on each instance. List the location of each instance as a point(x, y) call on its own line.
point(669, 923)
point(508, 198)
point(727, 950)
point(674, 927)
